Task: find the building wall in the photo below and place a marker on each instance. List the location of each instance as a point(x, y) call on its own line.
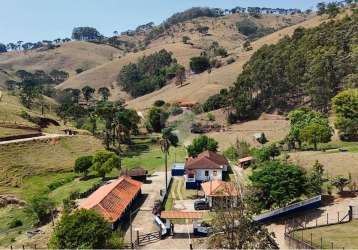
point(200, 174)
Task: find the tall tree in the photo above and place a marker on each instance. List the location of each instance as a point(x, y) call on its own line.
point(3, 48)
point(88, 92)
point(104, 162)
point(180, 76)
point(200, 144)
point(104, 92)
point(168, 139)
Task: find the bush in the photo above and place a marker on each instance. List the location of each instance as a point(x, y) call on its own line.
point(176, 111)
point(230, 60)
point(40, 206)
point(79, 70)
point(211, 117)
point(58, 183)
point(200, 144)
point(15, 223)
point(199, 64)
point(159, 103)
point(246, 27)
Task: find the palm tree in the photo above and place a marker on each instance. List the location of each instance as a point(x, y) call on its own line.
point(168, 139)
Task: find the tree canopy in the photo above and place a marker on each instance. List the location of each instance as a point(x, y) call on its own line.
point(199, 64)
point(86, 33)
point(104, 162)
point(200, 144)
point(345, 106)
point(81, 229)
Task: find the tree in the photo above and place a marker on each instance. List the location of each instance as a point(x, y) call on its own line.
point(277, 184)
point(332, 9)
point(246, 27)
point(104, 162)
point(234, 227)
point(104, 92)
point(156, 119)
point(81, 229)
point(3, 48)
point(203, 29)
point(321, 8)
point(200, 144)
point(168, 139)
point(185, 39)
point(59, 76)
point(88, 92)
point(40, 206)
point(83, 164)
point(345, 106)
point(315, 179)
point(85, 33)
point(29, 91)
point(199, 64)
point(340, 182)
point(180, 76)
point(315, 133)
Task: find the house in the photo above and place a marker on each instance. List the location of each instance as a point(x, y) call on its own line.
point(220, 193)
point(244, 162)
point(206, 166)
point(138, 173)
point(114, 200)
point(178, 169)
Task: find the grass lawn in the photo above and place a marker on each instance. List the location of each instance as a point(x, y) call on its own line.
point(146, 154)
point(342, 236)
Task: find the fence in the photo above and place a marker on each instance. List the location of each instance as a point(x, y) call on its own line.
point(143, 239)
point(298, 237)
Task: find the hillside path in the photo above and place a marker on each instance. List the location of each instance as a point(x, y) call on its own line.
point(43, 137)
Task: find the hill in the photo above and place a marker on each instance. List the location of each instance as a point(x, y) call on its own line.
point(68, 57)
point(222, 30)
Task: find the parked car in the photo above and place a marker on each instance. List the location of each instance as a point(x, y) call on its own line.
point(201, 205)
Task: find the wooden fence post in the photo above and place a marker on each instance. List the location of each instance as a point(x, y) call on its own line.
point(338, 216)
point(23, 247)
point(321, 244)
point(327, 218)
point(311, 239)
point(331, 245)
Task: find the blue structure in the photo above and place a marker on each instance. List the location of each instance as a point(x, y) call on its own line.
point(178, 169)
point(311, 203)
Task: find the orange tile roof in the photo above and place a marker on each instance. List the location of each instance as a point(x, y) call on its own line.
point(181, 215)
point(111, 200)
point(219, 188)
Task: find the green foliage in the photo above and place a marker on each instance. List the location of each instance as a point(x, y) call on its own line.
point(309, 126)
point(156, 119)
point(148, 74)
point(340, 182)
point(85, 33)
point(104, 162)
point(169, 138)
point(345, 106)
point(277, 184)
point(158, 103)
point(211, 117)
point(88, 92)
point(200, 144)
point(216, 101)
point(315, 179)
point(266, 153)
point(199, 64)
point(3, 48)
point(332, 9)
point(15, 223)
point(60, 182)
point(247, 27)
point(104, 92)
point(311, 65)
point(82, 229)
point(231, 153)
point(83, 164)
point(40, 206)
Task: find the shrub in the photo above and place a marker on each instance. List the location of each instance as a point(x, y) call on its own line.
point(159, 103)
point(83, 164)
point(230, 60)
point(40, 206)
point(200, 144)
point(199, 64)
point(211, 117)
point(15, 223)
point(79, 70)
point(246, 27)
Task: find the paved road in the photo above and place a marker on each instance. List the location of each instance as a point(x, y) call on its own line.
point(144, 219)
point(43, 137)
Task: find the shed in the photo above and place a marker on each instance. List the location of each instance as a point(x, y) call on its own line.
point(178, 169)
point(244, 162)
point(138, 173)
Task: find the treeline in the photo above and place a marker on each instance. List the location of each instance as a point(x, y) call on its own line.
point(148, 74)
point(308, 68)
point(25, 46)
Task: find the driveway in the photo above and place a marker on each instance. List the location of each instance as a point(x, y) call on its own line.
point(143, 221)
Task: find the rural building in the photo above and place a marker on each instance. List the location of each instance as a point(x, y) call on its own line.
point(206, 166)
point(220, 193)
point(113, 201)
point(178, 169)
point(247, 161)
point(139, 174)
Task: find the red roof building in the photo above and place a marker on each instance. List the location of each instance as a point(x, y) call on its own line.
point(112, 200)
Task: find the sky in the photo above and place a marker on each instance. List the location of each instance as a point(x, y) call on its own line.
point(36, 20)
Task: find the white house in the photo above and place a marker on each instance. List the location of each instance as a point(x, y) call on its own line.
point(205, 167)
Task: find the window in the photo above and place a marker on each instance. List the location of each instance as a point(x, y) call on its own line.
point(206, 173)
point(190, 175)
point(215, 173)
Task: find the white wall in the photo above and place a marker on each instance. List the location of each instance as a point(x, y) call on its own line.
point(200, 174)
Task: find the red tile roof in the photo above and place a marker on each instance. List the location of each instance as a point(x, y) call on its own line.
point(219, 188)
point(181, 215)
point(207, 160)
point(112, 199)
point(246, 159)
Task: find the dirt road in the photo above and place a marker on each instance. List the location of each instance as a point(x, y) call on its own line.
point(43, 137)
